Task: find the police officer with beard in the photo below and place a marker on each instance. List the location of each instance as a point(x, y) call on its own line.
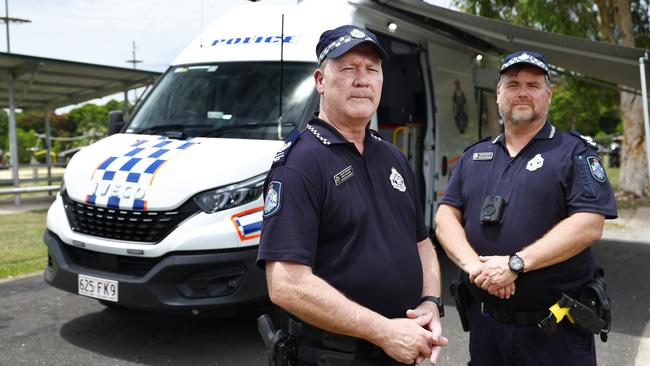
point(518, 217)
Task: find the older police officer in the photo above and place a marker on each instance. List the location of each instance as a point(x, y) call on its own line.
point(343, 239)
point(518, 217)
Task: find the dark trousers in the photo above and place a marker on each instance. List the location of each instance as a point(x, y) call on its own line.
point(495, 344)
point(369, 363)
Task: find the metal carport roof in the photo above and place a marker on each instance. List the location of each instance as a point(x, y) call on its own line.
point(50, 83)
point(602, 61)
point(31, 82)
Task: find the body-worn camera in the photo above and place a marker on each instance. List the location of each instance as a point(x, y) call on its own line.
point(492, 211)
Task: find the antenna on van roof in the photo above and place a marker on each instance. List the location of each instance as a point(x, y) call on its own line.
point(281, 79)
point(201, 34)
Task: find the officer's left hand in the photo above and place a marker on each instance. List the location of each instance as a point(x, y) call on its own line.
point(426, 315)
point(494, 274)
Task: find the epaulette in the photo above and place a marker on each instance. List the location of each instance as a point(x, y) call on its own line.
point(289, 143)
point(478, 142)
point(586, 141)
point(375, 135)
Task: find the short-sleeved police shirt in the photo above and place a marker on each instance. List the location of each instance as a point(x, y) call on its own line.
point(555, 175)
point(354, 219)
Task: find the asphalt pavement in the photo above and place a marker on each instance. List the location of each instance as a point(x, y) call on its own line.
point(42, 325)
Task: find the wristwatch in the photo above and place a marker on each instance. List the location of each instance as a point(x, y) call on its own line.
point(516, 264)
point(436, 300)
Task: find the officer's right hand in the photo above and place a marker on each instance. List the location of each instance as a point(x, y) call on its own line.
point(404, 340)
point(502, 292)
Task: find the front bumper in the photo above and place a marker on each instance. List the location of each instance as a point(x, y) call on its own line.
point(176, 282)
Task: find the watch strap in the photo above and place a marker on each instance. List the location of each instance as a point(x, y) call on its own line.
point(436, 300)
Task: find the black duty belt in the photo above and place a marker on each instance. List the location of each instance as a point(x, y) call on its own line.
point(519, 318)
point(333, 342)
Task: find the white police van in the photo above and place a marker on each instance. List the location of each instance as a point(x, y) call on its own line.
point(165, 214)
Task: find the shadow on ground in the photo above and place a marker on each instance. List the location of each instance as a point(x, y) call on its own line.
point(159, 339)
point(628, 285)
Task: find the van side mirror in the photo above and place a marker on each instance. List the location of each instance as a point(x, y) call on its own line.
point(115, 122)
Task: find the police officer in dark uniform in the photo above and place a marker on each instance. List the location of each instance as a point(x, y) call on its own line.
point(343, 240)
point(518, 217)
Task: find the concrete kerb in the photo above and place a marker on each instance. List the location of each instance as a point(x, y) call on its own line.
point(28, 204)
point(18, 277)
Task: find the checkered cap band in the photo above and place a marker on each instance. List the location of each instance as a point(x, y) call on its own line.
point(525, 58)
point(339, 42)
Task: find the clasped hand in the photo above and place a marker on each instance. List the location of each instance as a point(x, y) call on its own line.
point(417, 337)
point(493, 274)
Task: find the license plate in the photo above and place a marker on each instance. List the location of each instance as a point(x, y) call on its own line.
point(98, 288)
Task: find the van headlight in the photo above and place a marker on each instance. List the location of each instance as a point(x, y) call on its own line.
point(230, 196)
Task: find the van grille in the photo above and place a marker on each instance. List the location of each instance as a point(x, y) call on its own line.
point(127, 225)
point(132, 266)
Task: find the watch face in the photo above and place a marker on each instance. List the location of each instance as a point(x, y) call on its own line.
point(516, 263)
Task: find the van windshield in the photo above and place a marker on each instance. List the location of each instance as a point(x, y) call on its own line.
point(233, 100)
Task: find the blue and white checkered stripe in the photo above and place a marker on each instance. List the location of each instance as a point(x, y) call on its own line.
point(340, 42)
point(138, 165)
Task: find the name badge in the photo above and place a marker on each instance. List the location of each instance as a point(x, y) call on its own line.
point(483, 155)
point(343, 175)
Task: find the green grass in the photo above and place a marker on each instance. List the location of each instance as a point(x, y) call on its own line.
point(21, 243)
point(612, 174)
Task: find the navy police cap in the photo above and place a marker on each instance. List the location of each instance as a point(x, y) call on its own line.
point(525, 57)
point(334, 43)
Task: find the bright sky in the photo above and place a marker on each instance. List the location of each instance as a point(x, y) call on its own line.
point(102, 31)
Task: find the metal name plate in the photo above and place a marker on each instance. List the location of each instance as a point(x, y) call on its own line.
point(343, 175)
point(483, 155)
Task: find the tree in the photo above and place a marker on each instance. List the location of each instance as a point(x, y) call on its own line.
point(31, 120)
point(581, 106)
point(621, 22)
point(615, 25)
point(26, 140)
point(90, 117)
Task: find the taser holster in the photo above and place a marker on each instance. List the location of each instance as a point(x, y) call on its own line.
point(594, 296)
point(590, 313)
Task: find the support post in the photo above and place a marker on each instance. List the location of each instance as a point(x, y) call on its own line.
point(7, 24)
point(125, 112)
point(13, 139)
point(646, 122)
point(48, 146)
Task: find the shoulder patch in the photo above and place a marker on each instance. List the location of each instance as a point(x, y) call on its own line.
point(281, 155)
point(478, 142)
point(586, 141)
point(597, 169)
point(273, 199)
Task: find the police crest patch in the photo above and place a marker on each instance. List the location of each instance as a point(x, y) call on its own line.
point(597, 169)
point(357, 33)
point(396, 180)
point(273, 200)
point(535, 163)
